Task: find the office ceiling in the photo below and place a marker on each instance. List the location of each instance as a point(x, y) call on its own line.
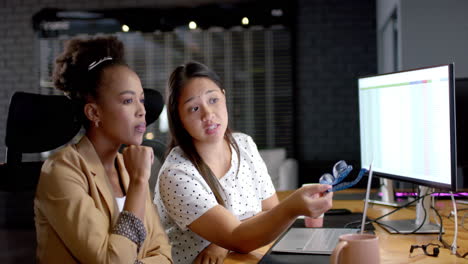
point(193, 3)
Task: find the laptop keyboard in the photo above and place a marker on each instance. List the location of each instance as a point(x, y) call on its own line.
point(324, 239)
point(311, 240)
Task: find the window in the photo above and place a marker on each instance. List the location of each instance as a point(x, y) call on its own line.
point(253, 62)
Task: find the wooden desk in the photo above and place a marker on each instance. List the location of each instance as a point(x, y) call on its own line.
point(393, 248)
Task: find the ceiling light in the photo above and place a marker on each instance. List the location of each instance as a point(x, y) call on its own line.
point(149, 136)
point(192, 25)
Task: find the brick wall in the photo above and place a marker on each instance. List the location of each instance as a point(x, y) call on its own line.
point(336, 43)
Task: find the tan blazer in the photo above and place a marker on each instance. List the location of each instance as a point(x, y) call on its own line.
point(75, 211)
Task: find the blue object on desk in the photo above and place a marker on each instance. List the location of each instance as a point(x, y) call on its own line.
point(340, 172)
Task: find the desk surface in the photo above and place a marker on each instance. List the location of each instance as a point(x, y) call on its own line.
point(393, 248)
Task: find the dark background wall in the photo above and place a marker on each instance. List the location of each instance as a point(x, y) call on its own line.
point(335, 43)
point(18, 55)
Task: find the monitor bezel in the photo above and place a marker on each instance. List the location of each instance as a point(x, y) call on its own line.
point(453, 148)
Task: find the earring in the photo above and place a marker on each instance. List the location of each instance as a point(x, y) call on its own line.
point(96, 123)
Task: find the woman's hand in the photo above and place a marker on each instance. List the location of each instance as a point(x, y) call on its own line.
point(138, 160)
point(310, 200)
point(212, 254)
point(260, 230)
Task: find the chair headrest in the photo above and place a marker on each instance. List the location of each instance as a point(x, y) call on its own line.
point(154, 105)
point(38, 123)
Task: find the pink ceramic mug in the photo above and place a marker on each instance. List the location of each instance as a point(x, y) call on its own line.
point(356, 248)
point(313, 222)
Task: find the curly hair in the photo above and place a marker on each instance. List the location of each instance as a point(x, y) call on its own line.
point(72, 73)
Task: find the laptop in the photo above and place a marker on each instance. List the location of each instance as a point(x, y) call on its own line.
point(318, 240)
point(311, 240)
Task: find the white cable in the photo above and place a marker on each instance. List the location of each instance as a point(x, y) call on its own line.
point(453, 248)
point(433, 206)
point(366, 201)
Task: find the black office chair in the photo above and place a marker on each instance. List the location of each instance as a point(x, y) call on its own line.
point(154, 104)
point(159, 150)
point(37, 123)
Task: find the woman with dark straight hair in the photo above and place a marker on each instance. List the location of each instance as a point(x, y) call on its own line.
point(214, 192)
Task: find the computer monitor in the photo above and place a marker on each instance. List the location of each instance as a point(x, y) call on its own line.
point(407, 128)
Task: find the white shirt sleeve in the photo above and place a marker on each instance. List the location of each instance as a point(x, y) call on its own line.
point(184, 195)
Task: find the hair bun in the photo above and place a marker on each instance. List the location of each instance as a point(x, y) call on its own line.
point(71, 66)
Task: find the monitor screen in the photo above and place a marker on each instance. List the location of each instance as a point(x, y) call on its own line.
point(407, 125)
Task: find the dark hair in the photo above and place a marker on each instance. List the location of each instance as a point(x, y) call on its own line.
point(179, 135)
point(73, 74)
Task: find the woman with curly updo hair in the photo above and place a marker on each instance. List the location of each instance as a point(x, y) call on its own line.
point(92, 203)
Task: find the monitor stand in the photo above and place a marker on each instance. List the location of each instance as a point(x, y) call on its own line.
point(388, 194)
point(409, 225)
